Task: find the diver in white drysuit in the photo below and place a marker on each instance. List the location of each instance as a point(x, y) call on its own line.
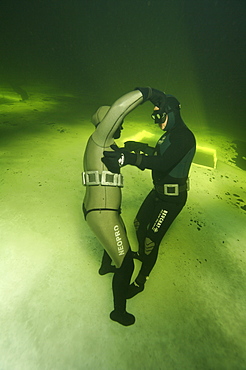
point(102, 200)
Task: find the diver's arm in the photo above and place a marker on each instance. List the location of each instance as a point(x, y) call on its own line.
point(137, 147)
point(179, 147)
point(103, 136)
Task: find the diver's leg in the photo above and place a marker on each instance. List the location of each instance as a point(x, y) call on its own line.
point(110, 231)
point(164, 215)
point(120, 284)
point(142, 221)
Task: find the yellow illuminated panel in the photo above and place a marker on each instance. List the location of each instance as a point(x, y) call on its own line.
point(205, 157)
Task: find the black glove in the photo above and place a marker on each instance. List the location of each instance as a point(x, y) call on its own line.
point(118, 158)
point(157, 97)
point(146, 92)
point(134, 146)
point(158, 117)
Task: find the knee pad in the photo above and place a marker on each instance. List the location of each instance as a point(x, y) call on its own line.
point(148, 246)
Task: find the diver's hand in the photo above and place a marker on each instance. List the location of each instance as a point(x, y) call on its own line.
point(134, 146)
point(157, 97)
point(111, 161)
point(118, 158)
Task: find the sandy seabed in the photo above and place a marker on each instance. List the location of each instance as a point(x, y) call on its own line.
point(54, 311)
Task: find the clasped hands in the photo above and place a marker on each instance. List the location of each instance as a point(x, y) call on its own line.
point(120, 157)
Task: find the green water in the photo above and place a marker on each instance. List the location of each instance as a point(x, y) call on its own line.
point(60, 61)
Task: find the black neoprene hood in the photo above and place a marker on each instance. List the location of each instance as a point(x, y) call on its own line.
point(173, 110)
point(172, 104)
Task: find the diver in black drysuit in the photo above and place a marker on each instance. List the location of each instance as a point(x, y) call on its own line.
point(170, 162)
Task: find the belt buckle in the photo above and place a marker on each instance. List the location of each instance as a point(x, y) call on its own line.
point(90, 178)
point(174, 186)
point(109, 178)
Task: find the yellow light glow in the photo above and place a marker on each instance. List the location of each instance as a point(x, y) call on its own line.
point(139, 136)
point(40, 98)
point(205, 156)
point(12, 102)
point(9, 99)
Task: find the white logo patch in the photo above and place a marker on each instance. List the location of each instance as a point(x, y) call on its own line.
point(118, 239)
point(161, 217)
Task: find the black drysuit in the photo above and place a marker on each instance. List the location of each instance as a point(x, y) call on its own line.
point(170, 163)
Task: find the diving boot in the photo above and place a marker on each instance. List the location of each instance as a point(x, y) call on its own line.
point(120, 285)
point(122, 317)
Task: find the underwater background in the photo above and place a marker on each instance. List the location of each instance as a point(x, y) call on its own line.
point(102, 49)
point(59, 61)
